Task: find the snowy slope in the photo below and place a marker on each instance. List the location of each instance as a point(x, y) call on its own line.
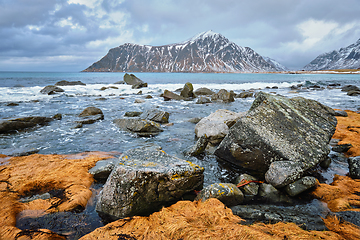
point(205, 52)
point(344, 58)
point(279, 66)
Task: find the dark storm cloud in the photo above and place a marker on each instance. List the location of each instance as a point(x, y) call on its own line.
point(293, 32)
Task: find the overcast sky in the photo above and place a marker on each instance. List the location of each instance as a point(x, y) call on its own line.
point(69, 35)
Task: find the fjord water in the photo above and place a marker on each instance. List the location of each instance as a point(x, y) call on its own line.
point(61, 136)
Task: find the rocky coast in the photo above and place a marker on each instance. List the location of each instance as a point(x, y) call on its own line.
point(284, 153)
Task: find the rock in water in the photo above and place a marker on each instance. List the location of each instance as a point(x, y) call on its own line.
point(187, 91)
point(277, 131)
point(227, 193)
point(136, 82)
point(156, 115)
point(17, 124)
point(49, 90)
point(69, 83)
point(144, 180)
point(141, 127)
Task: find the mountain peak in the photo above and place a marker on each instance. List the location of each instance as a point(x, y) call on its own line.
point(204, 35)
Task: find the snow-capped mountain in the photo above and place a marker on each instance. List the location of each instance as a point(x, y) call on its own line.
point(344, 58)
point(279, 66)
point(206, 52)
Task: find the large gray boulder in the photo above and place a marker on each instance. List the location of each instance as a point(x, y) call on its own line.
point(169, 95)
point(141, 127)
point(216, 126)
point(17, 124)
point(144, 180)
point(156, 115)
point(224, 96)
point(134, 81)
point(187, 91)
point(203, 91)
point(289, 136)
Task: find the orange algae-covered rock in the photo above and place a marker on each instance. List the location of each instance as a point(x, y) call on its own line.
point(341, 195)
point(348, 131)
point(34, 174)
point(201, 220)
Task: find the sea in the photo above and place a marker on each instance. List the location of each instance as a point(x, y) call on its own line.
point(62, 136)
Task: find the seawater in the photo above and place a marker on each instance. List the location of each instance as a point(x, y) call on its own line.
point(61, 136)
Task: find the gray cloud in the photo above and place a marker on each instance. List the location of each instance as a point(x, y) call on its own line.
point(62, 31)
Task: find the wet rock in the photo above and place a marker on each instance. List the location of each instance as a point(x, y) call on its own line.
point(90, 119)
point(308, 217)
point(139, 92)
point(156, 115)
point(353, 93)
point(18, 152)
point(223, 95)
point(100, 99)
point(348, 88)
point(203, 100)
point(12, 104)
point(326, 163)
point(354, 167)
point(50, 90)
point(300, 185)
point(141, 127)
point(136, 83)
point(216, 125)
point(340, 113)
point(103, 168)
point(203, 91)
point(251, 189)
point(269, 194)
point(341, 148)
point(132, 114)
point(18, 86)
point(245, 95)
point(187, 91)
point(35, 197)
point(350, 216)
point(144, 180)
point(148, 97)
point(57, 116)
point(69, 83)
point(120, 82)
point(199, 146)
point(91, 111)
point(194, 120)
point(271, 132)
point(227, 193)
point(18, 124)
point(168, 95)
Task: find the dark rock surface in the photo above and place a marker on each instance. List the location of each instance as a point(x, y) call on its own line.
point(354, 167)
point(136, 82)
point(203, 91)
point(18, 152)
point(49, 90)
point(17, 124)
point(223, 95)
point(168, 95)
point(350, 216)
point(156, 115)
point(103, 168)
point(141, 127)
point(251, 189)
point(341, 148)
point(187, 91)
point(270, 133)
point(203, 100)
point(132, 114)
point(90, 111)
point(69, 83)
point(144, 180)
point(244, 95)
point(340, 113)
point(227, 193)
point(300, 185)
point(199, 146)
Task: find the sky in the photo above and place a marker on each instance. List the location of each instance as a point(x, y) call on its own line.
point(70, 35)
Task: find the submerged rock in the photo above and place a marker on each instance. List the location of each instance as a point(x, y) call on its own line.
point(90, 115)
point(69, 83)
point(287, 136)
point(227, 193)
point(18, 124)
point(141, 127)
point(144, 180)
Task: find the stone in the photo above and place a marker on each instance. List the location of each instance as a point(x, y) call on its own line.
point(90, 111)
point(354, 93)
point(49, 90)
point(168, 95)
point(341, 148)
point(132, 114)
point(148, 96)
point(348, 88)
point(69, 83)
point(136, 83)
point(141, 127)
point(187, 91)
point(354, 167)
point(203, 100)
point(245, 95)
point(194, 120)
point(90, 119)
point(340, 113)
point(12, 104)
point(20, 151)
point(144, 180)
point(17, 124)
point(250, 190)
point(281, 137)
point(103, 168)
point(203, 91)
point(139, 100)
point(57, 116)
point(223, 95)
point(300, 185)
point(199, 146)
point(227, 193)
point(216, 125)
point(269, 194)
point(156, 115)
point(120, 82)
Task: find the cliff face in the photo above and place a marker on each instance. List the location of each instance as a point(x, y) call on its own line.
point(344, 58)
point(206, 52)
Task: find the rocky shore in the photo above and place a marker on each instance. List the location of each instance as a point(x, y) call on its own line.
point(279, 149)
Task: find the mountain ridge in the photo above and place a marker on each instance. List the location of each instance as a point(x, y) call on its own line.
point(205, 52)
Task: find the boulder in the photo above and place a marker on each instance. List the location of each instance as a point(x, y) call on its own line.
point(269, 194)
point(156, 115)
point(69, 83)
point(354, 167)
point(91, 111)
point(199, 146)
point(136, 83)
point(203, 100)
point(203, 91)
point(103, 168)
point(281, 137)
point(227, 193)
point(244, 95)
point(187, 91)
point(168, 95)
point(353, 93)
point(223, 95)
point(49, 90)
point(216, 125)
point(132, 114)
point(300, 185)
point(251, 189)
point(144, 180)
point(141, 127)
point(17, 124)
point(348, 88)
